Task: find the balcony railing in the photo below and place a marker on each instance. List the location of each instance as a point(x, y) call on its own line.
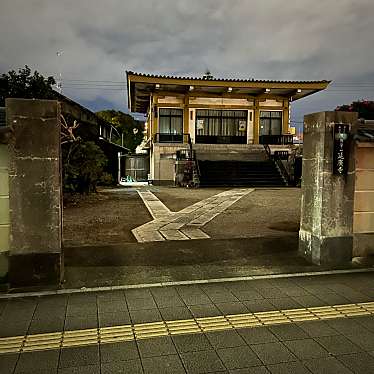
point(171, 138)
point(186, 154)
point(218, 139)
point(276, 139)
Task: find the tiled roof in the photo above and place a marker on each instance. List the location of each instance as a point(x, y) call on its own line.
point(158, 76)
point(365, 133)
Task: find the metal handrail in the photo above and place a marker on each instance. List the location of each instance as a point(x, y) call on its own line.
point(282, 169)
point(193, 155)
point(278, 162)
point(285, 139)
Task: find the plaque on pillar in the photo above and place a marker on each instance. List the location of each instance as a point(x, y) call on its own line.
point(341, 148)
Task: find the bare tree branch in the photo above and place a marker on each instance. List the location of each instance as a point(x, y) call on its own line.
point(67, 132)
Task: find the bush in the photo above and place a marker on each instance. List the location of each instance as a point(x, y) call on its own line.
point(83, 166)
point(106, 180)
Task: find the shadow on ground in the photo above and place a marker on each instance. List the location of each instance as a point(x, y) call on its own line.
point(137, 263)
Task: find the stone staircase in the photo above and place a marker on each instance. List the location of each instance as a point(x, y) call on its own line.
point(232, 152)
point(236, 165)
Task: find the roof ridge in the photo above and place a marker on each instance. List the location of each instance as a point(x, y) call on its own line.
point(148, 75)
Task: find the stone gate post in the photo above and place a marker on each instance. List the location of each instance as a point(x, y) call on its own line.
point(326, 227)
point(34, 193)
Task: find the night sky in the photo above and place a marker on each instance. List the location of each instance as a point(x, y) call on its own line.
point(267, 39)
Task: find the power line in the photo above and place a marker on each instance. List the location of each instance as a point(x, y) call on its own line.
point(98, 81)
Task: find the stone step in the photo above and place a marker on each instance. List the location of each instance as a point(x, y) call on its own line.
point(224, 147)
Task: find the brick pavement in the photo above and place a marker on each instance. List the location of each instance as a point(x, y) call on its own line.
point(343, 345)
point(187, 223)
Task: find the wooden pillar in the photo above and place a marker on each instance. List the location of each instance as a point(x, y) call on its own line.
point(256, 122)
point(286, 118)
point(186, 116)
point(154, 115)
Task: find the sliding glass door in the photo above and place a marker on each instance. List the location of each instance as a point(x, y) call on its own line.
point(221, 126)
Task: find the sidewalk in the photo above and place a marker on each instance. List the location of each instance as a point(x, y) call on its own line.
point(313, 324)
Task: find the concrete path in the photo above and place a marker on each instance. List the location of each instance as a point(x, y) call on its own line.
point(187, 223)
point(304, 324)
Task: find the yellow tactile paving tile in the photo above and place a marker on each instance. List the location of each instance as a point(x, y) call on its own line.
point(188, 326)
point(104, 335)
point(116, 334)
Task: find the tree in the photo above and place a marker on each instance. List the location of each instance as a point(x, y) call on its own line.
point(125, 124)
point(26, 86)
point(364, 108)
point(83, 162)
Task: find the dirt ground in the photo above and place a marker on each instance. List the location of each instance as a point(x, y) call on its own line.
point(263, 212)
point(109, 216)
point(257, 235)
point(176, 198)
point(103, 218)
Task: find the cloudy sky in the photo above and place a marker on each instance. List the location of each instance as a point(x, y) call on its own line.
point(264, 39)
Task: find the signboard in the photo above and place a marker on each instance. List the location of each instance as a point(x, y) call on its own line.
point(242, 125)
point(200, 124)
point(341, 148)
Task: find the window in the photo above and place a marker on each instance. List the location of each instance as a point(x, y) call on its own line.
point(170, 125)
point(270, 123)
point(221, 126)
point(171, 121)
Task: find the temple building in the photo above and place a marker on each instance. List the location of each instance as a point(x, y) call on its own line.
point(220, 120)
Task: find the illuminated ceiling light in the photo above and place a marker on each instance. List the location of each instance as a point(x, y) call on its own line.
point(157, 86)
point(192, 88)
point(267, 90)
point(229, 89)
point(299, 90)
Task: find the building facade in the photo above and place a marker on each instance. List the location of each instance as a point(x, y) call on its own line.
point(218, 115)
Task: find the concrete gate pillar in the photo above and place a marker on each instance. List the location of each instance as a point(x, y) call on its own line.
point(326, 227)
point(35, 193)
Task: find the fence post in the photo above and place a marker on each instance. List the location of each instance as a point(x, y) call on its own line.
point(35, 193)
point(326, 228)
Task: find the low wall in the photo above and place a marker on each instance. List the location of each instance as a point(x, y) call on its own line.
point(363, 220)
point(4, 210)
point(164, 157)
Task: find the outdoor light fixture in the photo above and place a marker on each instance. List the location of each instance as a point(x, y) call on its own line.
point(157, 86)
point(267, 90)
point(191, 88)
point(299, 90)
point(229, 89)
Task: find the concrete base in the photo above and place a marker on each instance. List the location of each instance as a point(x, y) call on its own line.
point(35, 269)
point(4, 265)
point(325, 250)
point(363, 244)
point(160, 182)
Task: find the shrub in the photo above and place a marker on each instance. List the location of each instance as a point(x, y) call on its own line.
point(83, 166)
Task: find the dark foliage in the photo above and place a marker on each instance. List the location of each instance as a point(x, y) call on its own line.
point(364, 108)
point(23, 85)
point(126, 124)
point(83, 167)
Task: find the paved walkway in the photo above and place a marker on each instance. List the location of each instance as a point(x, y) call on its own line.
point(187, 223)
point(314, 324)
